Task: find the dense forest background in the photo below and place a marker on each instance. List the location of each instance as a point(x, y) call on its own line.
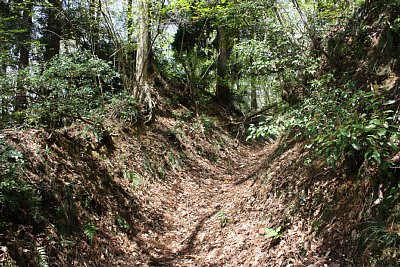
point(95, 94)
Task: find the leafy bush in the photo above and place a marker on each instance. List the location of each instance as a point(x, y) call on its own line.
point(352, 126)
point(69, 86)
point(124, 107)
point(208, 123)
point(271, 128)
point(73, 85)
point(341, 124)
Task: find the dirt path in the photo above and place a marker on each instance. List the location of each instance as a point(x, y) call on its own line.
point(181, 198)
point(217, 213)
point(204, 208)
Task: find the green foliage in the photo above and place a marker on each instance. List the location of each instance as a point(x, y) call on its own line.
point(349, 125)
point(124, 107)
point(70, 86)
point(207, 123)
point(18, 199)
point(121, 222)
point(383, 240)
point(382, 236)
point(273, 233)
point(134, 178)
point(90, 230)
point(271, 128)
point(342, 124)
point(42, 256)
point(394, 194)
point(222, 218)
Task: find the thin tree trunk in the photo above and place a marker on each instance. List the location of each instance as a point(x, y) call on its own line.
point(3, 58)
point(94, 26)
point(24, 42)
point(223, 94)
point(316, 42)
point(266, 95)
point(143, 49)
point(253, 94)
point(129, 19)
point(21, 100)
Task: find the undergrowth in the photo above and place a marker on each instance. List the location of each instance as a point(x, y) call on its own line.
point(342, 124)
point(356, 129)
point(70, 87)
point(20, 202)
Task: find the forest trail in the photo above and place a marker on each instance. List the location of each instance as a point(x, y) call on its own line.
point(218, 210)
point(201, 208)
point(176, 196)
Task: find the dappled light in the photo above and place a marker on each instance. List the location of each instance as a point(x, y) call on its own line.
point(199, 133)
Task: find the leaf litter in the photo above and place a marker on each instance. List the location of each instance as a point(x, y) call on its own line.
point(170, 195)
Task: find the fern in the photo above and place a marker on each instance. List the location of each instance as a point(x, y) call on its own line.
point(42, 256)
point(134, 178)
point(273, 233)
point(121, 221)
point(221, 216)
point(90, 231)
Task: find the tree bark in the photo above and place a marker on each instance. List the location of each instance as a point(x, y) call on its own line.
point(21, 100)
point(52, 34)
point(5, 45)
point(142, 90)
point(143, 49)
point(94, 8)
point(129, 19)
point(223, 94)
point(253, 94)
point(24, 45)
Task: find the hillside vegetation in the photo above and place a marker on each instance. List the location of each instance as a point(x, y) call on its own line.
point(199, 133)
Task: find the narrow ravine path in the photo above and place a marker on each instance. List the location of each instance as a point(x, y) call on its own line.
point(212, 206)
point(202, 205)
point(215, 213)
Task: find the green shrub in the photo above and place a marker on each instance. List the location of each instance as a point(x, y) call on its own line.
point(271, 128)
point(124, 107)
point(355, 127)
point(69, 86)
point(342, 125)
point(208, 123)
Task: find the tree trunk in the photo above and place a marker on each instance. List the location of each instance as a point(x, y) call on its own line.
point(129, 19)
point(21, 100)
point(142, 91)
point(94, 7)
point(266, 95)
point(253, 94)
point(52, 34)
point(223, 94)
point(143, 48)
point(5, 46)
point(24, 41)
